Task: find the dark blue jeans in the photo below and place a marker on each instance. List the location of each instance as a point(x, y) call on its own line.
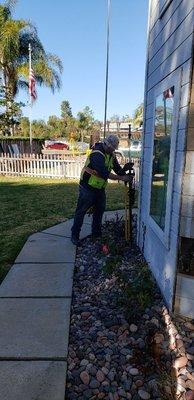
point(89, 198)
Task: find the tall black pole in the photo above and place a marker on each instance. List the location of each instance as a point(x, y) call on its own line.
point(30, 95)
point(107, 67)
point(130, 191)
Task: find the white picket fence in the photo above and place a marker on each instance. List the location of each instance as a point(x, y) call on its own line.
point(46, 167)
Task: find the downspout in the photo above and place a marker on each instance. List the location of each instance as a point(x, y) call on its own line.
point(144, 124)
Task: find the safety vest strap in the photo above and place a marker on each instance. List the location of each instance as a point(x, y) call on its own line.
point(97, 151)
point(95, 180)
point(90, 171)
point(108, 159)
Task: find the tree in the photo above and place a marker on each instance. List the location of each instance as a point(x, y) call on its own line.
point(24, 127)
point(15, 36)
point(85, 122)
point(56, 127)
point(115, 118)
point(126, 118)
point(66, 110)
point(10, 112)
point(40, 129)
point(137, 120)
point(72, 129)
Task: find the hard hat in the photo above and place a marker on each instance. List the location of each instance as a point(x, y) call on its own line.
point(112, 141)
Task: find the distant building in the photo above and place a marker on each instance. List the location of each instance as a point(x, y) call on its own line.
point(122, 130)
point(166, 216)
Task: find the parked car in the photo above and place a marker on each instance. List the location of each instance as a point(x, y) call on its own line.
point(135, 145)
point(56, 146)
point(82, 146)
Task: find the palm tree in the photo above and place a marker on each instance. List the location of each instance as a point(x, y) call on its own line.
point(15, 36)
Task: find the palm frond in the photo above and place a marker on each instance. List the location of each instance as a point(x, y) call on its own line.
point(29, 35)
point(23, 71)
point(55, 60)
point(15, 36)
point(10, 4)
point(4, 15)
point(22, 85)
point(46, 75)
point(9, 39)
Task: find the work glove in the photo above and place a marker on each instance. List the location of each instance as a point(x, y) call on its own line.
point(126, 178)
point(128, 166)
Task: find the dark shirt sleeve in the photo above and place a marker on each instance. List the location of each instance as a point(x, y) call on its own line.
point(97, 162)
point(117, 167)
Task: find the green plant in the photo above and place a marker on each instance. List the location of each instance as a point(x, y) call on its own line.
point(111, 265)
point(137, 290)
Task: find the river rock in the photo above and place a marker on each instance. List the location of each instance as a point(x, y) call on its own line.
point(85, 378)
point(143, 394)
point(180, 362)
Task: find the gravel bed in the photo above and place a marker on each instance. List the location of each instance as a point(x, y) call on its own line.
point(124, 344)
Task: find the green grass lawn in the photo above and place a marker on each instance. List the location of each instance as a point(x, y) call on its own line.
point(29, 205)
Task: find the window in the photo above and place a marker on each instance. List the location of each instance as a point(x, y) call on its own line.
point(161, 155)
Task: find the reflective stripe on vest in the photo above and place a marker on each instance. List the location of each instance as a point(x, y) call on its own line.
point(96, 181)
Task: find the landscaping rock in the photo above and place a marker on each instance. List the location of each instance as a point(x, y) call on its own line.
point(143, 395)
point(85, 377)
point(119, 349)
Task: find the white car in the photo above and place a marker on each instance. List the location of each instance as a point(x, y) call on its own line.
point(135, 145)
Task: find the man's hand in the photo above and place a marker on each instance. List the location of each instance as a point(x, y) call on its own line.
point(128, 166)
point(125, 178)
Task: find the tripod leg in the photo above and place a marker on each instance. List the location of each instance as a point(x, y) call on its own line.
point(130, 212)
point(126, 214)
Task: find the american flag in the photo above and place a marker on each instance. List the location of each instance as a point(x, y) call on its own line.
point(32, 84)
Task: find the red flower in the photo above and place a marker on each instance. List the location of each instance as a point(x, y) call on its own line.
point(105, 249)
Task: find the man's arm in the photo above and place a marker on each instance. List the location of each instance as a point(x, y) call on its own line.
point(98, 164)
point(117, 167)
point(115, 177)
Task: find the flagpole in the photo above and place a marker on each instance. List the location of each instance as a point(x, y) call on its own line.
point(30, 97)
point(107, 66)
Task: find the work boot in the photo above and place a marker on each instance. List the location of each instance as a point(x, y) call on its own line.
point(75, 240)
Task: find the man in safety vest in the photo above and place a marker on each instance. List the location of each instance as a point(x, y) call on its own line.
point(93, 180)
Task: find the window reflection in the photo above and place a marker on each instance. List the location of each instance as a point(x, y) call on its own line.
point(161, 155)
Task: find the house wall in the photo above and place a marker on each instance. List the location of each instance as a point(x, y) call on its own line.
point(169, 60)
point(184, 296)
point(187, 209)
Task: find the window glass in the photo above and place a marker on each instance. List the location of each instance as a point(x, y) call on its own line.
point(161, 155)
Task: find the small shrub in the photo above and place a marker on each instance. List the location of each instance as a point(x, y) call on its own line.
point(138, 293)
point(110, 265)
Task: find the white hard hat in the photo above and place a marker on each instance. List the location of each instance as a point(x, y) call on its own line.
point(112, 141)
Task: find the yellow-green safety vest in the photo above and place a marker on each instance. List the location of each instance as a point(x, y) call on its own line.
point(96, 181)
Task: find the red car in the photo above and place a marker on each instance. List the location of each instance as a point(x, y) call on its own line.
point(58, 146)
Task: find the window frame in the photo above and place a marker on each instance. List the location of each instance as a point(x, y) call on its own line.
point(173, 80)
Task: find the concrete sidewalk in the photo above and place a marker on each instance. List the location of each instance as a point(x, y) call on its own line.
point(35, 305)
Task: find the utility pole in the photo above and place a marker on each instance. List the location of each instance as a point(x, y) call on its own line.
point(30, 97)
point(107, 67)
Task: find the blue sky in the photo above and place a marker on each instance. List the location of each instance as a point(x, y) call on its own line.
point(76, 31)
